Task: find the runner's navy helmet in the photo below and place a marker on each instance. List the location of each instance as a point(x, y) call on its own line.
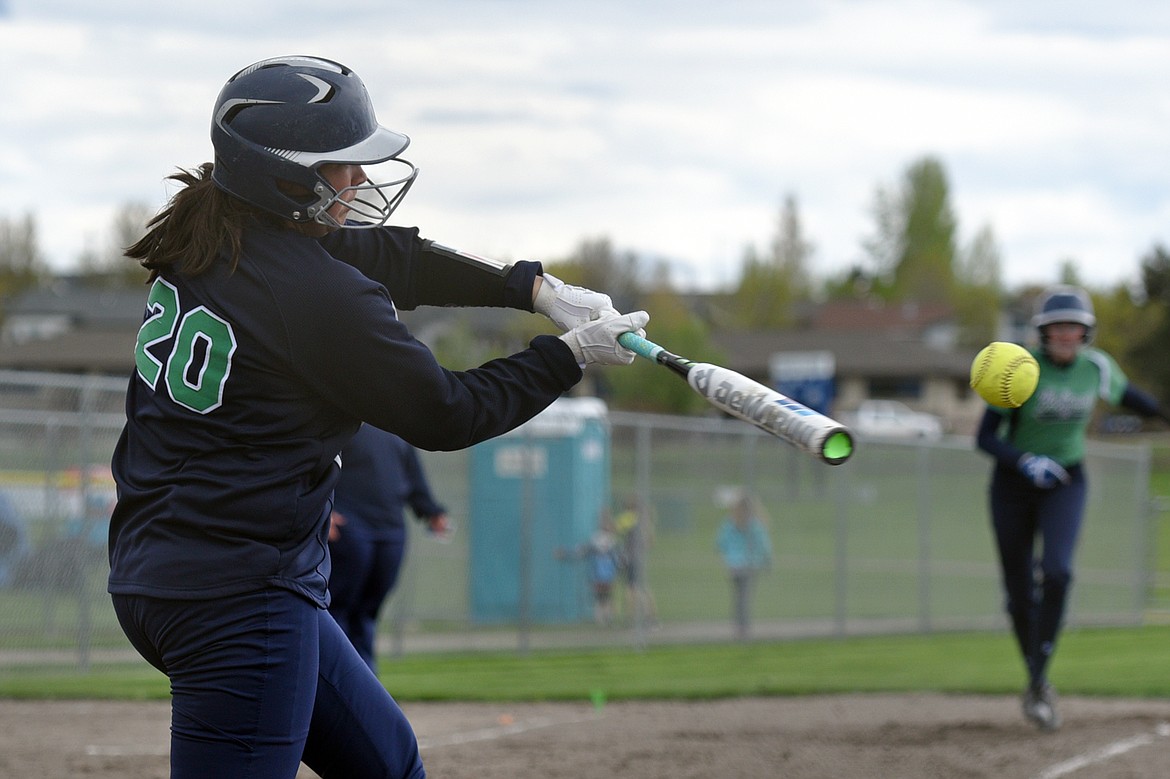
point(1065, 303)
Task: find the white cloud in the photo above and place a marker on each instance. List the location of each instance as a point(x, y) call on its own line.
point(670, 129)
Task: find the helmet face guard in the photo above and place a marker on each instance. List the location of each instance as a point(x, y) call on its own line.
point(279, 120)
point(372, 203)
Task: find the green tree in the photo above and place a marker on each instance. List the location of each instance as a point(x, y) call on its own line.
point(1070, 273)
point(109, 266)
point(884, 247)
point(645, 387)
point(773, 283)
point(854, 283)
point(1123, 322)
point(1147, 350)
point(634, 285)
point(925, 271)
point(978, 305)
point(21, 263)
point(913, 247)
point(595, 264)
point(462, 341)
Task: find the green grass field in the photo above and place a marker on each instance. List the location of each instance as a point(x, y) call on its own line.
point(1129, 662)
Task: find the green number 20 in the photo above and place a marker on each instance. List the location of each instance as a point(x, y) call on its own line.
point(200, 358)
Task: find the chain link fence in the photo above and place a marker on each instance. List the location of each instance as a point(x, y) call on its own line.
point(56, 435)
point(898, 539)
point(895, 540)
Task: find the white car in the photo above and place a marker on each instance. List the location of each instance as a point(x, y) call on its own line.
point(891, 419)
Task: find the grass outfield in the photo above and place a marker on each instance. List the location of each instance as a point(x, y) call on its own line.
point(1122, 662)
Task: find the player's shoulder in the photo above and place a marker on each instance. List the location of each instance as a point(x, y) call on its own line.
point(289, 262)
point(1098, 357)
point(282, 256)
point(361, 247)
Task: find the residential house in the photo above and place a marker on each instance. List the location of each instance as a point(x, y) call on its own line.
point(904, 352)
point(70, 327)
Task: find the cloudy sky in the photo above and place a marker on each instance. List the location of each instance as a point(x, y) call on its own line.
point(673, 127)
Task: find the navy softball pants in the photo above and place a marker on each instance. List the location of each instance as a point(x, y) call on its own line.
point(263, 681)
point(365, 569)
point(1036, 586)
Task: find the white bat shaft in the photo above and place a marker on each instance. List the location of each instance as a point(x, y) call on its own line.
point(763, 407)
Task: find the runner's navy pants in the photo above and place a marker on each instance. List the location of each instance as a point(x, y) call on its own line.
point(1036, 590)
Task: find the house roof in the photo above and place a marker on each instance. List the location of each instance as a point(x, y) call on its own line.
point(868, 315)
point(84, 305)
point(107, 351)
point(868, 353)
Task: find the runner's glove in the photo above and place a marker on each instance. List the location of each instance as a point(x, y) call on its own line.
point(596, 341)
point(567, 305)
point(1042, 471)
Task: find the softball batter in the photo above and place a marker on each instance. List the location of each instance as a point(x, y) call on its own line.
point(1038, 486)
point(270, 333)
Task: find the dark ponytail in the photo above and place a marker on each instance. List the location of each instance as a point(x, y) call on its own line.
point(200, 225)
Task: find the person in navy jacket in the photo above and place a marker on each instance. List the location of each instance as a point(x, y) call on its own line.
point(381, 475)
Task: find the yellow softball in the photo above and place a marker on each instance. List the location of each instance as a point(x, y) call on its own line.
point(1004, 374)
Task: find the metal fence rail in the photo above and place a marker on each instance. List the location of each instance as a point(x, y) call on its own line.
point(895, 540)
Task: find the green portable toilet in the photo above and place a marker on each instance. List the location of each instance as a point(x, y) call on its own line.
point(533, 491)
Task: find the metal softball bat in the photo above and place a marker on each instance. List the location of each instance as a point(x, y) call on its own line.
point(810, 431)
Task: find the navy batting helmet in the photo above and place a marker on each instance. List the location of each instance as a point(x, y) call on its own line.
point(1065, 303)
point(278, 120)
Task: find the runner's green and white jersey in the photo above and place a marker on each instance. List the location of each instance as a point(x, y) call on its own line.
point(1053, 421)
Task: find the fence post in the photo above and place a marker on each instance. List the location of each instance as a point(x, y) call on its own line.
point(1145, 536)
point(924, 550)
point(528, 497)
point(841, 561)
point(642, 477)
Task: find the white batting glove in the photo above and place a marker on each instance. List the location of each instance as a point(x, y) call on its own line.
point(1043, 471)
point(596, 342)
point(567, 305)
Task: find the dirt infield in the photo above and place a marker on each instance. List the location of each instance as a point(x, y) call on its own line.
point(905, 736)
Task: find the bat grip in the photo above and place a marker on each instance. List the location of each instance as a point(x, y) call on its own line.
point(640, 346)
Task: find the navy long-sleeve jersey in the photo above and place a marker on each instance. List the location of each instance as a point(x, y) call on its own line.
point(381, 476)
point(249, 382)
